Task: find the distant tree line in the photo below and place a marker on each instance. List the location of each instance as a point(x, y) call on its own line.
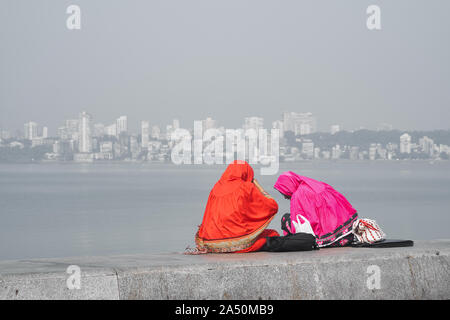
point(363, 138)
point(23, 155)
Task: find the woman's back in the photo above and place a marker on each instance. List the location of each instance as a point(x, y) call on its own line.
point(236, 211)
point(226, 210)
point(327, 210)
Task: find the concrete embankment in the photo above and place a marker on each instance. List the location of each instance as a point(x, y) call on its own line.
point(419, 272)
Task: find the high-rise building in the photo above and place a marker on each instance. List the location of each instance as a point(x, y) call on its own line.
point(175, 124)
point(308, 148)
point(336, 152)
point(106, 147)
point(145, 134)
point(85, 133)
point(316, 153)
point(208, 123)
point(99, 129)
point(354, 153)
point(111, 130)
point(61, 132)
point(373, 151)
point(156, 132)
point(299, 123)
point(405, 143)
point(5, 134)
point(255, 123)
point(72, 128)
point(427, 145)
point(30, 130)
point(122, 125)
point(278, 124)
point(44, 132)
point(169, 130)
point(381, 152)
point(134, 147)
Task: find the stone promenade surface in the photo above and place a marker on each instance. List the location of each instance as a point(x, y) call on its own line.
point(419, 272)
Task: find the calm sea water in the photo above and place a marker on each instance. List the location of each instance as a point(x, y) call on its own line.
point(56, 210)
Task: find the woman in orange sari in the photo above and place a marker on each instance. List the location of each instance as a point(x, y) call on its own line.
point(237, 213)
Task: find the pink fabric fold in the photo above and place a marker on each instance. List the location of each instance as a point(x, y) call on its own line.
point(326, 209)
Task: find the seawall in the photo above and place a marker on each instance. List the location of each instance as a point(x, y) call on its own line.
point(419, 272)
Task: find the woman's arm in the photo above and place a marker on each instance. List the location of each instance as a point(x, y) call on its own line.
point(261, 189)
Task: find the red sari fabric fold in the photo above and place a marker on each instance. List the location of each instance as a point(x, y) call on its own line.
point(236, 214)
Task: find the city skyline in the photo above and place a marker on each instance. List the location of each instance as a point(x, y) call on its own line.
point(134, 124)
point(121, 123)
point(84, 140)
point(299, 123)
point(301, 56)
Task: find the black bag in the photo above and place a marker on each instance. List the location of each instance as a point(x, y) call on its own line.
point(292, 242)
point(386, 243)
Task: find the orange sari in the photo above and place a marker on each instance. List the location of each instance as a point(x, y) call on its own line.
point(237, 213)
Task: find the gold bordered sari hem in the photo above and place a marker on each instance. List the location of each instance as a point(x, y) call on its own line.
point(231, 244)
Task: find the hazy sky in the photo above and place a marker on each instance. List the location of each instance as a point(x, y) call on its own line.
point(160, 59)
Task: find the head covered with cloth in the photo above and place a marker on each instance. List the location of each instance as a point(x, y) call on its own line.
point(236, 214)
point(326, 210)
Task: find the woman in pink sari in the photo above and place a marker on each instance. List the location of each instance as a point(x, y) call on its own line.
point(316, 208)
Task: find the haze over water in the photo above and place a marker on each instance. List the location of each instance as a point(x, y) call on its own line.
point(57, 210)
